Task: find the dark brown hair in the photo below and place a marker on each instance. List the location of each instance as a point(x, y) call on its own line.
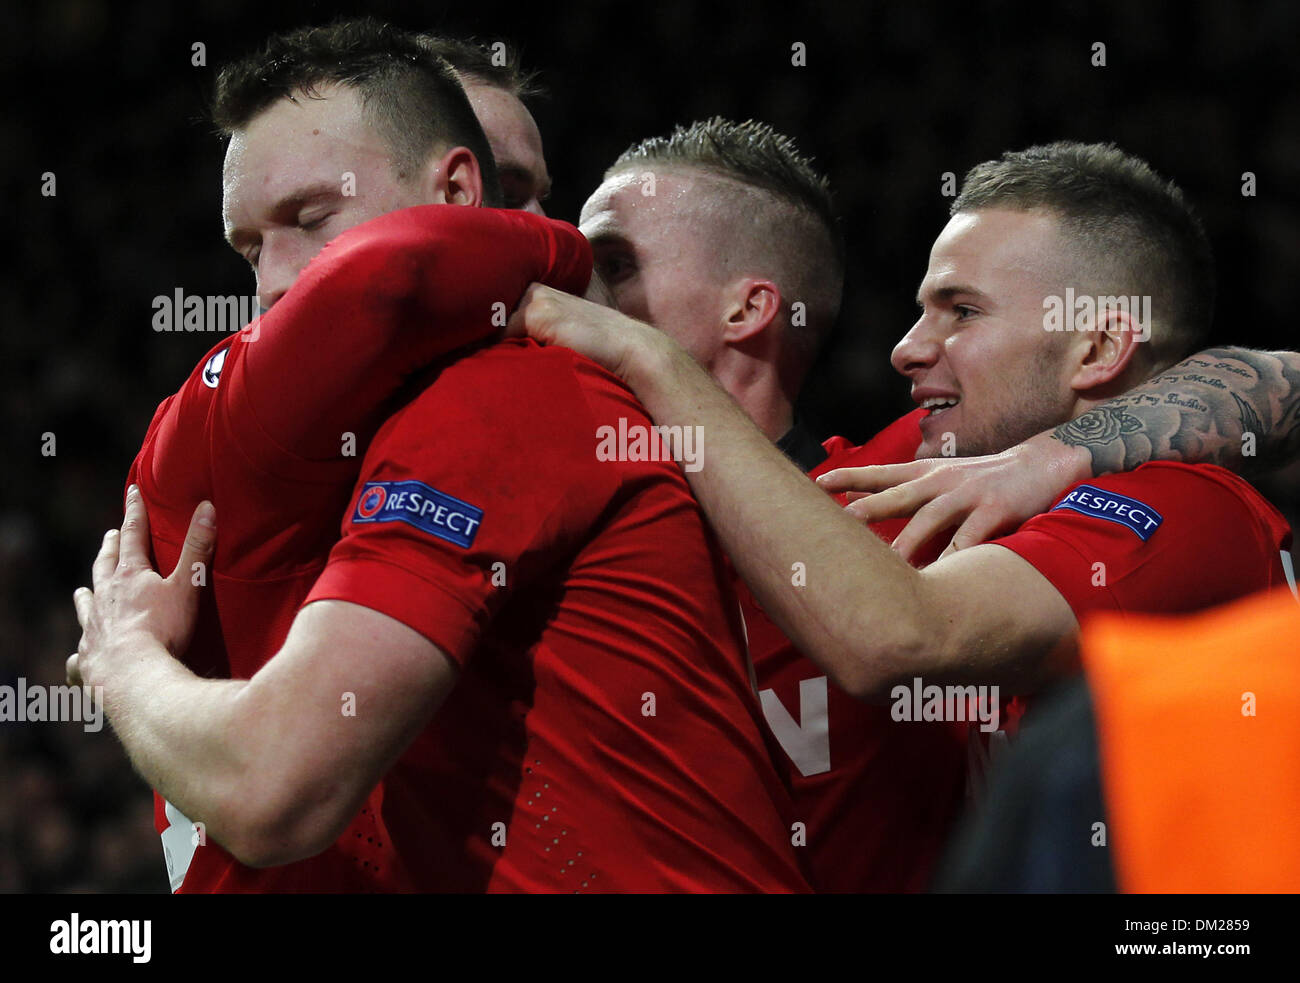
point(409, 94)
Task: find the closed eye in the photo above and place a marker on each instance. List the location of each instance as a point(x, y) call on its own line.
point(311, 225)
point(615, 266)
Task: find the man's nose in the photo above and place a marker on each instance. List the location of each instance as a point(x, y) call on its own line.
point(278, 267)
point(919, 348)
point(267, 297)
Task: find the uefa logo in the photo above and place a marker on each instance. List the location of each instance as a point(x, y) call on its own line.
point(371, 501)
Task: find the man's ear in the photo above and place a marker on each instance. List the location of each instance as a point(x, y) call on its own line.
point(1107, 351)
point(454, 179)
point(753, 305)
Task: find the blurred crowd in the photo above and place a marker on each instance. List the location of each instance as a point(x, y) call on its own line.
point(109, 100)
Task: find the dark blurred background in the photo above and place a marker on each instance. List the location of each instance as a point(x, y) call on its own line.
point(892, 96)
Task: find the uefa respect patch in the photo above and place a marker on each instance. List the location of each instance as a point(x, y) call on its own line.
point(419, 505)
point(1102, 504)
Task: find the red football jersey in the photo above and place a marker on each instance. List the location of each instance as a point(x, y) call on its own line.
point(602, 734)
point(271, 428)
point(1164, 538)
point(878, 798)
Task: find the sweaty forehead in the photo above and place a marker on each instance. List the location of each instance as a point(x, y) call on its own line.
point(645, 200)
point(510, 128)
point(299, 141)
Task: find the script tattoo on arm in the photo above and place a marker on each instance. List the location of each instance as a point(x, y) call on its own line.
point(1233, 407)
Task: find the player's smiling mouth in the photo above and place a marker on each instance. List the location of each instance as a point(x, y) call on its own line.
point(939, 404)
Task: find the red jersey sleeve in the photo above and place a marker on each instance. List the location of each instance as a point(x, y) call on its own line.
point(271, 426)
point(141, 457)
point(380, 301)
point(480, 486)
point(1166, 537)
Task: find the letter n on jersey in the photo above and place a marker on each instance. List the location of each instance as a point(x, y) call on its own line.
point(808, 742)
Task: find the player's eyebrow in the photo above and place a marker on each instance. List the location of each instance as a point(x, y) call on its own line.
point(947, 293)
point(289, 204)
point(605, 233)
point(541, 189)
point(609, 243)
point(237, 238)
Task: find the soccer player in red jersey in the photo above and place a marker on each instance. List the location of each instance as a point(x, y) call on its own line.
point(740, 228)
point(570, 611)
point(268, 426)
point(847, 776)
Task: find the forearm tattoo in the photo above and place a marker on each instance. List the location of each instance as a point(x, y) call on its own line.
point(1228, 406)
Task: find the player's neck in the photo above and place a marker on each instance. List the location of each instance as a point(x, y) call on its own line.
point(763, 402)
